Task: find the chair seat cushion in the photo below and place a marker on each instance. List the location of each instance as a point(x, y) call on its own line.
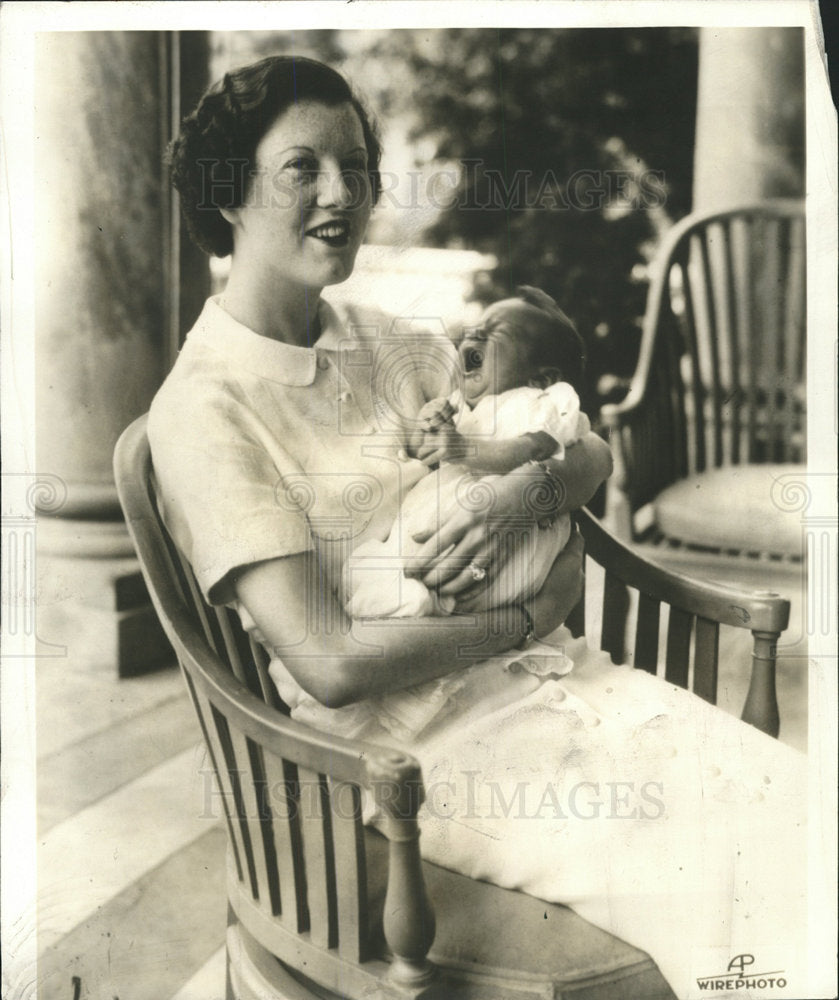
point(516, 939)
point(734, 508)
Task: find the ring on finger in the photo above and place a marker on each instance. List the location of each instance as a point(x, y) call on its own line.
point(478, 572)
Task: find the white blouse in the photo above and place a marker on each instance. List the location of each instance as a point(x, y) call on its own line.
point(262, 449)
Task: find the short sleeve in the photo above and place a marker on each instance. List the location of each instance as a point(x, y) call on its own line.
point(219, 487)
point(556, 411)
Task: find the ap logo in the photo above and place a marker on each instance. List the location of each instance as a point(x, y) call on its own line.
point(740, 962)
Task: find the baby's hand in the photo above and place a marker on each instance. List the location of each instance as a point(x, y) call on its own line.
point(444, 445)
point(436, 413)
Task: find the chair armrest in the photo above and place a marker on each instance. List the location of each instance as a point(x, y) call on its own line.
point(765, 614)
point(758, 611)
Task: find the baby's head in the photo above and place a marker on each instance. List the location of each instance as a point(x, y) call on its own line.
point(525, 340)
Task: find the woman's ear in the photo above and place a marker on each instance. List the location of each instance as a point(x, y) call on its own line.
point(545, 375)
point(230, 215)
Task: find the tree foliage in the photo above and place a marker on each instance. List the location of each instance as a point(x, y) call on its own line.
point(576, 149)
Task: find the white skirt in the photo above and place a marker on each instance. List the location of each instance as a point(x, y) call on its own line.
point(654, 815)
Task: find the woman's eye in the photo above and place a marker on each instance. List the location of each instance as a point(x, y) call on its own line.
point(304, 166)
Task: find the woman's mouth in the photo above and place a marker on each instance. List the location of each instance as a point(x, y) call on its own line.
point(334, 234)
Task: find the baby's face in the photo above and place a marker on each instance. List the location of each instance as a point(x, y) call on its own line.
point(495, 355)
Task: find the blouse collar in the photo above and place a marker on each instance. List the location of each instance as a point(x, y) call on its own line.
point(272, 359)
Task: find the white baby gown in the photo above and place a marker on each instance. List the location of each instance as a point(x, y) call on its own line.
point(374, 581)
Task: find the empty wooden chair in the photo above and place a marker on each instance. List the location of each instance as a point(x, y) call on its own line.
point(715, 413)
point(322, 906)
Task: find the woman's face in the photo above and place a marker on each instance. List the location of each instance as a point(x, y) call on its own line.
point(310, 201)
point(495, 356)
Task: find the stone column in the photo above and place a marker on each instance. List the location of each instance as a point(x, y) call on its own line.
point(104, 276)
point(750, 116)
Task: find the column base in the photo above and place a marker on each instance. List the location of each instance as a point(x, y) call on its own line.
point(97, 607)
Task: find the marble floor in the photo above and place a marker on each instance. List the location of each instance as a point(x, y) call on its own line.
point(130, 867)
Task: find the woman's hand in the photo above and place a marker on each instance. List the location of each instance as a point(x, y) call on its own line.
point(472, 536)
point(475, 534)
point(561, 590)
point(559, 594)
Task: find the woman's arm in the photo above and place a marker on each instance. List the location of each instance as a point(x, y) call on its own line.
point(338, 660)
point(584, 468)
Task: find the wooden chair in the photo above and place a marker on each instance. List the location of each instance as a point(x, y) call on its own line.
point(322, 906)
point(714, 416)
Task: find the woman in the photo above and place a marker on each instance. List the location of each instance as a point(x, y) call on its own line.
point(277, 441)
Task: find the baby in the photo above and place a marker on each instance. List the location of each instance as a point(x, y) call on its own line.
point(517, 406)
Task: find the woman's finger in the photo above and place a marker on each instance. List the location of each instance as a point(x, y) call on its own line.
point(457, 561)
point(417, 567)
point(439, 420)
point(445, 567)
point(456, 584)
point(462, 534)
point(440, 541)
point(444, 570)
point(469, 582)
point(460, 551)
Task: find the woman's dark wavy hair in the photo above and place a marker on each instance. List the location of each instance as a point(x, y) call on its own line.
point(213, 158)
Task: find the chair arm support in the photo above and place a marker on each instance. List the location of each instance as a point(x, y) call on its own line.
point(408, 919)
point(761, 706)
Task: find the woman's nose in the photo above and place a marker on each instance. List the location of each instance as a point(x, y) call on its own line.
point(338, 188)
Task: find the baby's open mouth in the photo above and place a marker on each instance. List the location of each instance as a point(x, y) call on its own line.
point(334, 234)
point(472, 359)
